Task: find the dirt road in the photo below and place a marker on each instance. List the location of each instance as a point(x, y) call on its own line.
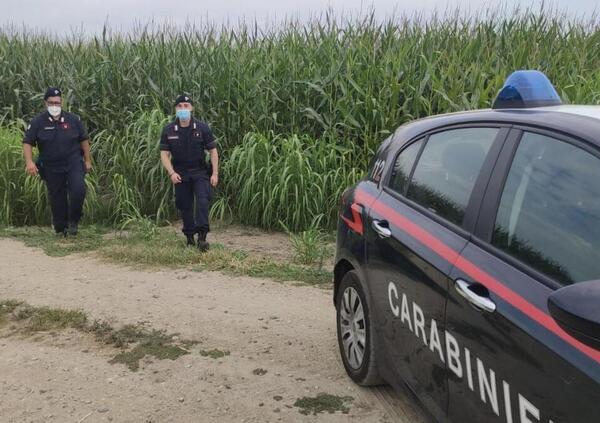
point(287, 330)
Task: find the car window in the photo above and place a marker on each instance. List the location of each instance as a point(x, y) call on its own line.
point(549, 214)
point(448, 168)
point(403, 166)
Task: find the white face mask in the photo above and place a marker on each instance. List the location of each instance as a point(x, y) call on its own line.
point(54, 110)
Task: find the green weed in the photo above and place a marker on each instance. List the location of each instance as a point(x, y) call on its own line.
point(310, 246)
point(146, 245)
point(214, 353)
point(146, 342)
point(323, 403)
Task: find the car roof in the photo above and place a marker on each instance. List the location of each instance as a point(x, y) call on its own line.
point(574, 120)
point(575, 109)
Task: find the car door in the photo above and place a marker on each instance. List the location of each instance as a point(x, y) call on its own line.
point(424, 202)
point(538, 230)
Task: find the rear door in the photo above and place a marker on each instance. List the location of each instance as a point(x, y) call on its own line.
point(425, 202)
point(539, 229)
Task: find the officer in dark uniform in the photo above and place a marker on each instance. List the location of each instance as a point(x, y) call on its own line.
point(183, 144)
point(64, 158)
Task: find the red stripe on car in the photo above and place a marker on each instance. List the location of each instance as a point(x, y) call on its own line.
point(475, 272)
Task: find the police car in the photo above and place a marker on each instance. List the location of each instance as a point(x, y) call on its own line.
point(468, 261)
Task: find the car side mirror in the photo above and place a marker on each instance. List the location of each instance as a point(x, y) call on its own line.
point(576, 309)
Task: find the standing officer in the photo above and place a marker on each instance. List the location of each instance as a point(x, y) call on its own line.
point(183, 143)
point(64, 158)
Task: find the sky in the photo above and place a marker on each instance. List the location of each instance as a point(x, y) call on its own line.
point(90, 16)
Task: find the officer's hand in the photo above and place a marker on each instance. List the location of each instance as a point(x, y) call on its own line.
point(214, 180)
point(88, 167)
point(31, 168)
point(175, 178)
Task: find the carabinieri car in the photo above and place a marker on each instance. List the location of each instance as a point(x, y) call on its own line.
point(468, 261)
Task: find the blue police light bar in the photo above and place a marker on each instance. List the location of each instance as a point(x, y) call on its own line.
point(526, 88)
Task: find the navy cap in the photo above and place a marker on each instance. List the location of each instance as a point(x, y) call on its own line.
point(52, 92)
point(183, 99)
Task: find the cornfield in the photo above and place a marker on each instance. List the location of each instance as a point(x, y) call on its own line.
point(298, 110)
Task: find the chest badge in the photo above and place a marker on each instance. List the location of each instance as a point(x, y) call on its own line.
point(65, 126)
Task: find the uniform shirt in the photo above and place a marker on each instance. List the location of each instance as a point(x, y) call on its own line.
point(187, 145)
point(58, 141)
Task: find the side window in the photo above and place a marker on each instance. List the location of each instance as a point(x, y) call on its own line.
point(448, 168)
point(549, 214)
point(403, 165)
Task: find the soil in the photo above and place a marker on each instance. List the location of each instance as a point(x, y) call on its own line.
point(280, 338)
point(275, 245)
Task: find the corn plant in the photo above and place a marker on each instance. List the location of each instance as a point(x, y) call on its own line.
point(298, 109)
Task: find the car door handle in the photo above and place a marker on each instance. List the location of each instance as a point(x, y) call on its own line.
point(479, 301)
point(382, 228)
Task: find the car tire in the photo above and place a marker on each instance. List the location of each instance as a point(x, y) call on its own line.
point(355, 332)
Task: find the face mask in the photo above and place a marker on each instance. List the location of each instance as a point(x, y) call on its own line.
point(183, 114)
point(54, 110)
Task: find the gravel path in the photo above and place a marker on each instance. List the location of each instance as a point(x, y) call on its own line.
point(287, 330)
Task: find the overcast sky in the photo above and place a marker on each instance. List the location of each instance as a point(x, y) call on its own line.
point(62, 16)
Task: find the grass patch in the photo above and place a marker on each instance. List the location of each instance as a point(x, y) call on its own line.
point(148, 347)
point(214, 353)
point(90, 238)
point(152, 342)
point(6, 308)
point(40, 319)
point(154, 247)
point(310, 246)
point(124, 336)
point(135, 341)
point(43, 319)
point(289, 272)
point(323, 403)
point(166, 249)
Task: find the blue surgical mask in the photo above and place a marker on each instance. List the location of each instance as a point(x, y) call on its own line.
point(183, 114)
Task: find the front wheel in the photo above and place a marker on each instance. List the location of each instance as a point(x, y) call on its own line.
point(355, 332)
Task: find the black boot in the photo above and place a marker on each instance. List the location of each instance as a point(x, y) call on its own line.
point(73, 229)
point(61, 233)
point(190, 240)
point(202, 244)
